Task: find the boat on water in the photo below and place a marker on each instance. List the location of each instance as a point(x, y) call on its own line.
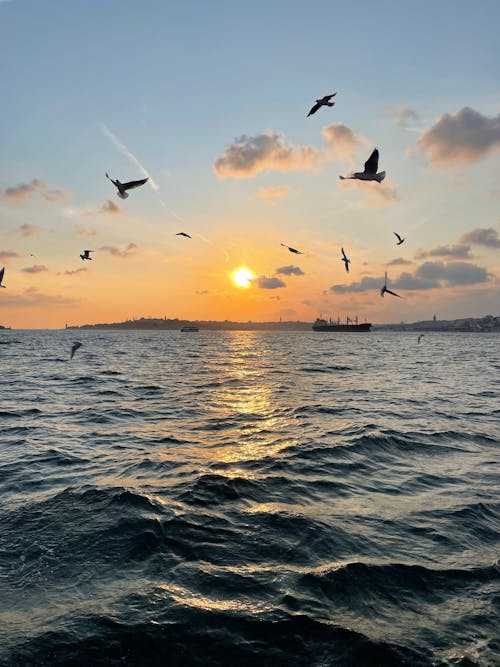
point(350, 325)
point(189, 329)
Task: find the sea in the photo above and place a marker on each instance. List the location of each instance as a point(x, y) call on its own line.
point(249, 498)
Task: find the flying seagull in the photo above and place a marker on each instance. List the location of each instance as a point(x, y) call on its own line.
point(399, 239)
point(184, 234)
point(420, 338)
point(86, 254)
point(323, 102)
point(370, 171)
point(74, 348)
point(122, 187)
point(384, 289)
point(2, 271)
point(346, 260)
point(297, 252)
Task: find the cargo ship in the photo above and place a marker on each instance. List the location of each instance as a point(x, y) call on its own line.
point(350, 325)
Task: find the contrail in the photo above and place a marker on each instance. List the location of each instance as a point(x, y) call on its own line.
point(125, 151)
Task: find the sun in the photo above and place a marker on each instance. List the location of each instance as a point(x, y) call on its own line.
point(242, 277)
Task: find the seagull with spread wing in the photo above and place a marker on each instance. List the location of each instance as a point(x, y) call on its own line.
point(370, 170)
point(346, 260)
point(323, 102)
point(2, 271)
point(399, 239)
point(184, 234)
point(384, 289)
point(294, 250)
point(74, 348)
point(86, 254)
point(123, 187)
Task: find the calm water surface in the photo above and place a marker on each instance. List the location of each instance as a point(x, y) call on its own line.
point(249, 498)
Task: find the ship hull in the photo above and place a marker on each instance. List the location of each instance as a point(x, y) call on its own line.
point(351, 328)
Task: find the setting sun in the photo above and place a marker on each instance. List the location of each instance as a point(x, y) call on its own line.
point(242, 277)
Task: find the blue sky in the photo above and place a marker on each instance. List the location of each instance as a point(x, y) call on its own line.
point(177, 83)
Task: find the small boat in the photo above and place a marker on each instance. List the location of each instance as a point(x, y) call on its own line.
point(189, 329)
point(350, 325)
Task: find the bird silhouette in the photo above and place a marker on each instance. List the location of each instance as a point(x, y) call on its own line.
point(399, 239)
point(294, 250)
point(74, 348)
point(384, 289)
point(323, 102)
point(2, 271)
point(346, 260)
point(86, 254)
point(123, 187)
point(184, 234)
point(370, 170)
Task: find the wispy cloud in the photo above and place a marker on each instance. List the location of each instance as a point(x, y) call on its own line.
point(399, 261)
point(273, 192)
point(32, 298)
point(85, 231)
point(22, 191)
point(342, 140)
point(458, 251)
point(110, 208)
point(273, 282)
point(52, 196)
point(129, 251)
point(30, 230)
point(289, 270)
point(76, 272)
point(5, 255)
point(404, 116)
point(37, 268)
point(480, 236)
point(463, 137)
point(374, 194)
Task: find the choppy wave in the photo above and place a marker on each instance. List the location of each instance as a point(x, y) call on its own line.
point(243, 498)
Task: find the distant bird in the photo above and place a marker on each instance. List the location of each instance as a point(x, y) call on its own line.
point(370, 171)
point(323, 102)
point(420, 338)
point(86, 254)
point(122, 187)
point(400, 240)
point(74, 348)
point(184, 234)
point(2, 271)
point(297, 252)
point(32, 255)
point(345, 260)
point(384, 289)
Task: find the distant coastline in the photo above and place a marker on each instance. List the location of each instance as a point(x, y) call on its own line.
point(489, 323)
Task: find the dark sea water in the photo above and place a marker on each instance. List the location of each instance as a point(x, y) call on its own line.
point(249, 499)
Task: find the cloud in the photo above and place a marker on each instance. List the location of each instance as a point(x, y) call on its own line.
point(487, 237)
point(342, 139)
point(249, 155)
point(269, 283)
point(129, 251)
point(34, 299)
point(37, 268)
point(273, 192)
point(52, 196)
point(5, 255)
point(399, 261)
point(289, 270)
point(22, 191)
point(30, 230)
point(375, 194)
point(85, 231)
point(455, 251)
point(110, 208)
point(202, 291)
point(429, 275)
point(464, 137)
point(73, 273)
point(404, 116)
point(453, 273)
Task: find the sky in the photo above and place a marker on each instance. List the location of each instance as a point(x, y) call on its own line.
point(210, 100)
